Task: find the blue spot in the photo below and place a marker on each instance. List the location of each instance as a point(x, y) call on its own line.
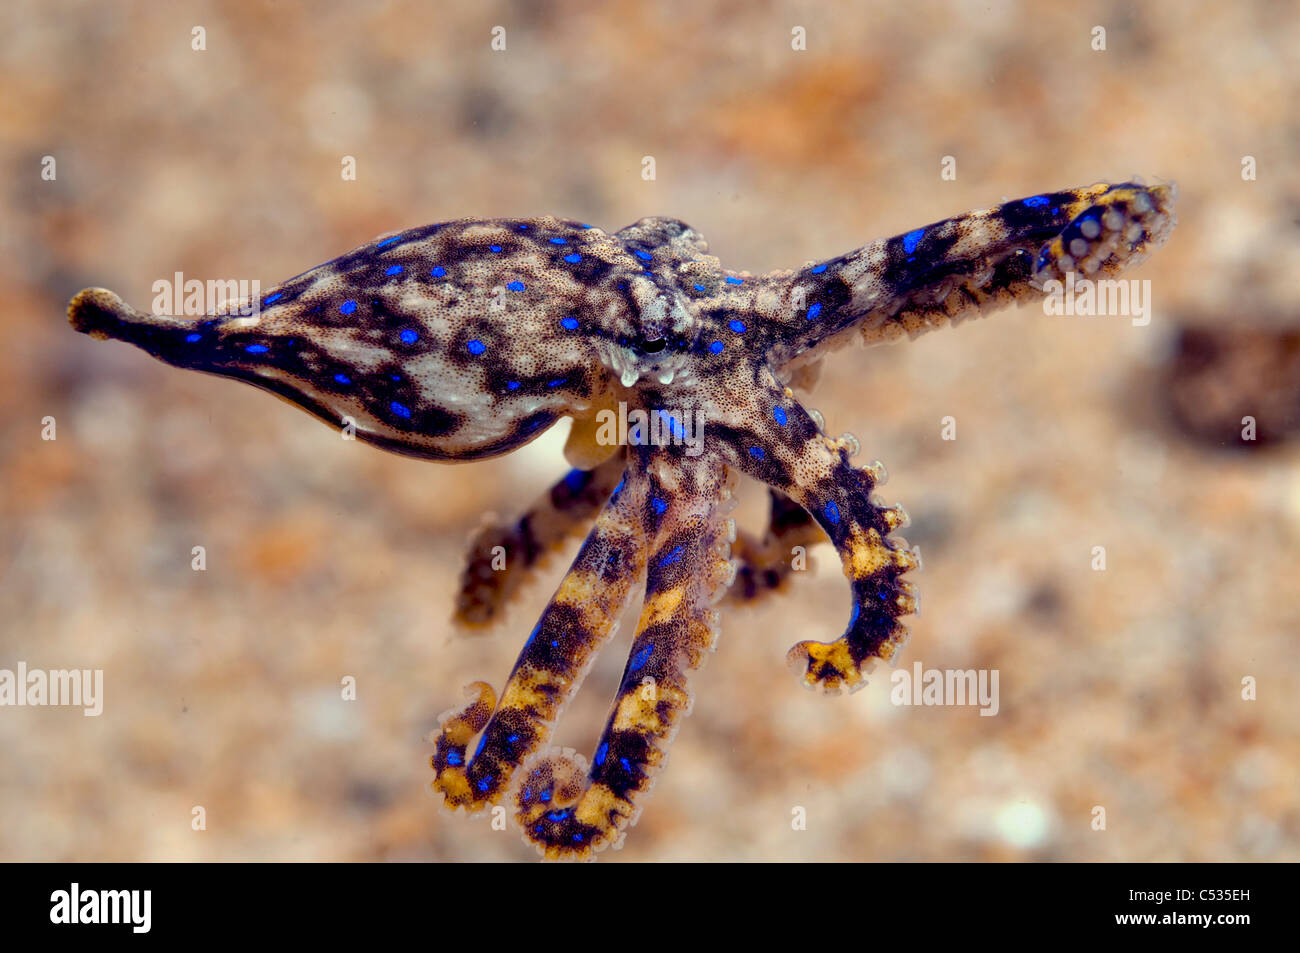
point(735, 281)
point(580, 225)
point(618, 489)
point(516, 286)
point(671, 558)
point(494, 247)
point(643, 255)
point(274, 298)
point(555, 643)
point(454, 759)
point(559, 815)
point(818, 269)
point(545, 796)
point(476, 346)
point(397, 377)
point(640, 658)
point(559, 241)
point(439, 272)
point(532, 637)
point(577, 837)
point(779, 414)
point(857, 611)
point(700, 288)
point(1036, 201)
point(627, 765)
point(408, 336)
point(256, 349)
point(674, 425)
point(757, 453)
point(912, 239)
point(193, 337)
point(569, 324)
point(659, 504)
point(388, 241)
point(347, 307)
point(736, 325)
point(832, 513)
point(601, 753)
point(575, 479)
point(482, 743)
point(512, 385)
point(716, 347)
point(393, 270)
point(343, 378)
point(511, 739)
point(573, 259)
point(484, 784)
point(523, 228)
point(401, 410)
point(814, 311)
point(555, 383)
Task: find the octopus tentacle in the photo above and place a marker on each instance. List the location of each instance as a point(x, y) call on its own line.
point(957, 268)
point(763, 564)
point(569, 810)
point(762, 431)
point(559, 513)
point(581, 617)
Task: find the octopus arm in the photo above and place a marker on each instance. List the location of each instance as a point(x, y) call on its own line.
point(762, 431)
point(570, 808)
point(503, 557)
point(958, 268)
point(581, 616)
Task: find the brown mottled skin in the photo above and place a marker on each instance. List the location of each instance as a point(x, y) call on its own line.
point(468, 339)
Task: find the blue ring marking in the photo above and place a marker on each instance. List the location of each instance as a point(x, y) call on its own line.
point(193, 337)
point(857, 611)
point(659, 505)
point(256, 349)
point(912, 239)
point(408, 336)
point(832, 513)
point(439, 271)
point(700, 288)
point(1035, 201)
point(454, 759)
point(569, 324)
point(483, 785)
point(641, 657)
point(778, 413)
point(516, 286)
point(618, 489)
point(512, 385)
point(818, 269)
point(388, 241)
point(555, 383)
point(573, 259)
point(735, 281)
point(814, 311)
point(643, 255)
point(476, 346)
point(347, 307)
point(523, 228)
point(274, 298)
point(393, 270)
point(401, 410)
point(601, 753)
point(672, 557)
point(494, 248)
point(736, 325)
point(716, 347)
point(757, 453)
point(559, 241)
point(343, 378)
point(627, 765)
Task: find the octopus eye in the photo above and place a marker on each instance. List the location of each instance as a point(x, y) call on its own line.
point(652, 347)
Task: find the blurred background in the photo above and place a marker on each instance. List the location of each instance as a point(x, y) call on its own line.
point(1120, 689)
